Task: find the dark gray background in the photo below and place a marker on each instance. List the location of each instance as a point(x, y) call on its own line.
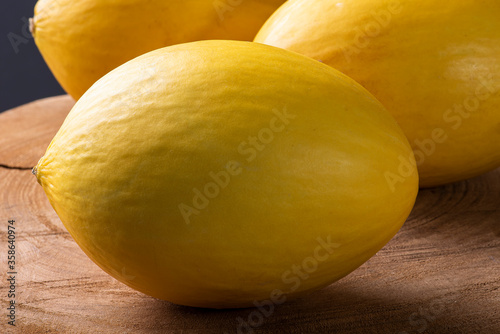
point(24, 76)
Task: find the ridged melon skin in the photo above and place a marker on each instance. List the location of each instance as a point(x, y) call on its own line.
point(313, 191)
point(435, 65)
point(82, 40)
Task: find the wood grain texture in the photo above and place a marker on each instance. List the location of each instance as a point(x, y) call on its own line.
point(439, 274)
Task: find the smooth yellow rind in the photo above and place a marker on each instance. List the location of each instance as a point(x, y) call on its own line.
point(85, 39)
point(139, 142)
point(435, 65)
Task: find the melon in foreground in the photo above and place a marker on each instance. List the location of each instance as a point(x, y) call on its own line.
point(218, 179)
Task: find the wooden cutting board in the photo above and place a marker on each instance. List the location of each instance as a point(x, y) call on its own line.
point(440, 273)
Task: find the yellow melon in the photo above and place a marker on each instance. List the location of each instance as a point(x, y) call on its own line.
point(435, 65)
point(83, 40)
point(223, 178)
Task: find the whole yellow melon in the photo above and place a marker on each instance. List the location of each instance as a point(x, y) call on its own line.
point(81, 40)
point(435, 65)
point(224, 173)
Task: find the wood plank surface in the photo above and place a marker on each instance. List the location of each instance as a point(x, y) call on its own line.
point(439, 274)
